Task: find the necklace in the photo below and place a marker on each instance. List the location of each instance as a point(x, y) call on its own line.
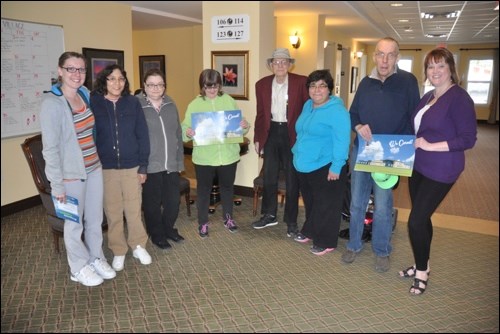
point(437, 95)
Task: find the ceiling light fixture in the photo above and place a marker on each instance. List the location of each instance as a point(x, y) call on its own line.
point(435, 35)
point(448, 15)
point(294, 40)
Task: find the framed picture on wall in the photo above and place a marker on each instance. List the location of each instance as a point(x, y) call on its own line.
point(233, 67)
point(149, 62)
point(97, 60)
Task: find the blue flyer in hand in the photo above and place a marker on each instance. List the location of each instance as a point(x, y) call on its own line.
point(68, 210)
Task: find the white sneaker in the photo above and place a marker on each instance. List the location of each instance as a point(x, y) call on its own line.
point(102, 267)
point(118, 262)
point(87, 276)
point(142, 254)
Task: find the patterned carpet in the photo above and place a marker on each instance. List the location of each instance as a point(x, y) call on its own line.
point(250, 281)
point(261, 281)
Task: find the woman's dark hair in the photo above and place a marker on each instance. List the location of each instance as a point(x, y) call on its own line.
point(209, 78)
point(70, 54)
point(321, 75)
point(436, 56)
point(101, 82)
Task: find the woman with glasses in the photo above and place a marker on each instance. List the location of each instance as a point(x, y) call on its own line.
point(122, 140)
point(216, 159)
point(160, 193)
point(320, 158)
point(73, 168)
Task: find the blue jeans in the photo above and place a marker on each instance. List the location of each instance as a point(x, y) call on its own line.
point(362, 185)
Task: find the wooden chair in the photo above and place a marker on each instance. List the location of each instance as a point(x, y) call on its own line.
point(185, 189)
point(32, 148)
point(258, 188)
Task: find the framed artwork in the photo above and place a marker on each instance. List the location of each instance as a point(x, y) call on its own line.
point(97, 60)
point(354, 79)
point(233, 67)
point(149, 62)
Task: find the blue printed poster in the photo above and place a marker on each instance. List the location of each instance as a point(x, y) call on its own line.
point(389, 154)
point(217, 127)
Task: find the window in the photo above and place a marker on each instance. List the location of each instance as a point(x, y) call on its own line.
point(405, 64)
point(479, 80)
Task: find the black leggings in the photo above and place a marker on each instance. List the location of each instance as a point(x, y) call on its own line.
point(204, 178)
point(426, 195)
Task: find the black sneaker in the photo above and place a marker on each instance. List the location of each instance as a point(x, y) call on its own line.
point(265, 221)
point(203, 230)
point(292, 231)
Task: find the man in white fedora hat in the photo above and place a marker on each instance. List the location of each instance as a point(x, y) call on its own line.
point(280, 98)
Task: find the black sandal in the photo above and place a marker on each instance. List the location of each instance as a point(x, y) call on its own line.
point(410, 272)
point(406, 273)
point(416, 287)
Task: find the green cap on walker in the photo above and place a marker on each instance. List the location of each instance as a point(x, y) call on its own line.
point(385, 181)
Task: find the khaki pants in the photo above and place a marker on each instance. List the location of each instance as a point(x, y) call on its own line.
point(122, 195)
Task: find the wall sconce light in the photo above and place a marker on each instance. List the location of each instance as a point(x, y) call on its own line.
point(294, 40)
point(358, 54)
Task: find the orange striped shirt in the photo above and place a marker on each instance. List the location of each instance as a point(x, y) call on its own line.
point(84, 125)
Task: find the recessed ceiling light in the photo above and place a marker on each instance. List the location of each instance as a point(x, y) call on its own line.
point(435, 35)
point(448, 15)
point(403, 20)
point(396, 5)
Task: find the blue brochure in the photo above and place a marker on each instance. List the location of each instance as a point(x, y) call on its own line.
point(217, 127)
point(389, 154)
point(68, 210)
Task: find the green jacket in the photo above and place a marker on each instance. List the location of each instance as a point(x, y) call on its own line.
point(218, 154)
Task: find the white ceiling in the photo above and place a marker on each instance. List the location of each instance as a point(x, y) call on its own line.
point(365, 21)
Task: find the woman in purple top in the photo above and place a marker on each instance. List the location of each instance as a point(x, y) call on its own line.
point(445, 126)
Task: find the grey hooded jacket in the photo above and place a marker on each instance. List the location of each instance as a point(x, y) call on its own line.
point(165, 136)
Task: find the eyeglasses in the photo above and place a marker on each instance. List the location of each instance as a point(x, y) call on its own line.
point(390, 55)
point(216, 86)
point(280, 62)
point(158, 86)
point(320, 86)
point(82, 70)
point(115, 80)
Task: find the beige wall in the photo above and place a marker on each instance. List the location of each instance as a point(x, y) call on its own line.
point(183, 60)
point(107, 25)
point(101, 25)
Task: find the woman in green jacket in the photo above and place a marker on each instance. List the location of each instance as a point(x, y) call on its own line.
point(213, 159)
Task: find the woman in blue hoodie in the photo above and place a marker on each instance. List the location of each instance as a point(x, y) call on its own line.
point(320, 158)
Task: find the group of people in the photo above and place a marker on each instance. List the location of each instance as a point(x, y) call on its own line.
point(308, 137)
point(120, 154)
